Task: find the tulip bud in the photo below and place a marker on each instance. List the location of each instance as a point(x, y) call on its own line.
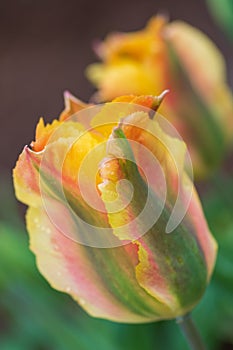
point(178, 57)
point(102, 199)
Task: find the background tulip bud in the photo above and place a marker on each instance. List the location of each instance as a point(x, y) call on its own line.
point(180, 58)
point(147, 274)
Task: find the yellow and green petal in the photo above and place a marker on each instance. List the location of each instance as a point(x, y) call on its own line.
point(173, 268)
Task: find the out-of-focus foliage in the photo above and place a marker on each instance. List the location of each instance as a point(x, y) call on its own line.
point(222, 11)
point(33, 316)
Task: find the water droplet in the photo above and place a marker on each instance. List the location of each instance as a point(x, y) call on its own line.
point(58, 273)
point(56, 247)
point(82, 301)
point(180, 260)
point(68, 289)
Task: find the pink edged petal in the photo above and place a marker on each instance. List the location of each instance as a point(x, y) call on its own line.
point(26, 177)
point(89, 274)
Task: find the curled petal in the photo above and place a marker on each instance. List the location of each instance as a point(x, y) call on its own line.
point(72, 106)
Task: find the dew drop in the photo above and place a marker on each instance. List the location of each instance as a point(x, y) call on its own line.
point(56, 247)
point(82, 301)
point(180, 260)
point(68, 289)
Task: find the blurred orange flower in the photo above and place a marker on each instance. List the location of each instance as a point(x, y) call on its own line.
point(178, 57)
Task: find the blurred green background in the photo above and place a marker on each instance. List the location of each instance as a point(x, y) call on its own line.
point(45, 47)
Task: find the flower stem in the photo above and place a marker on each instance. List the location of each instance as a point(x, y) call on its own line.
point(190, 332)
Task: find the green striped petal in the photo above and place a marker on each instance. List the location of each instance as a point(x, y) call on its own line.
point(173, 268)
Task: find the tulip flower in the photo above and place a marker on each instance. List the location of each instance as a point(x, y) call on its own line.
point(178, 57)
point(137, 272)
